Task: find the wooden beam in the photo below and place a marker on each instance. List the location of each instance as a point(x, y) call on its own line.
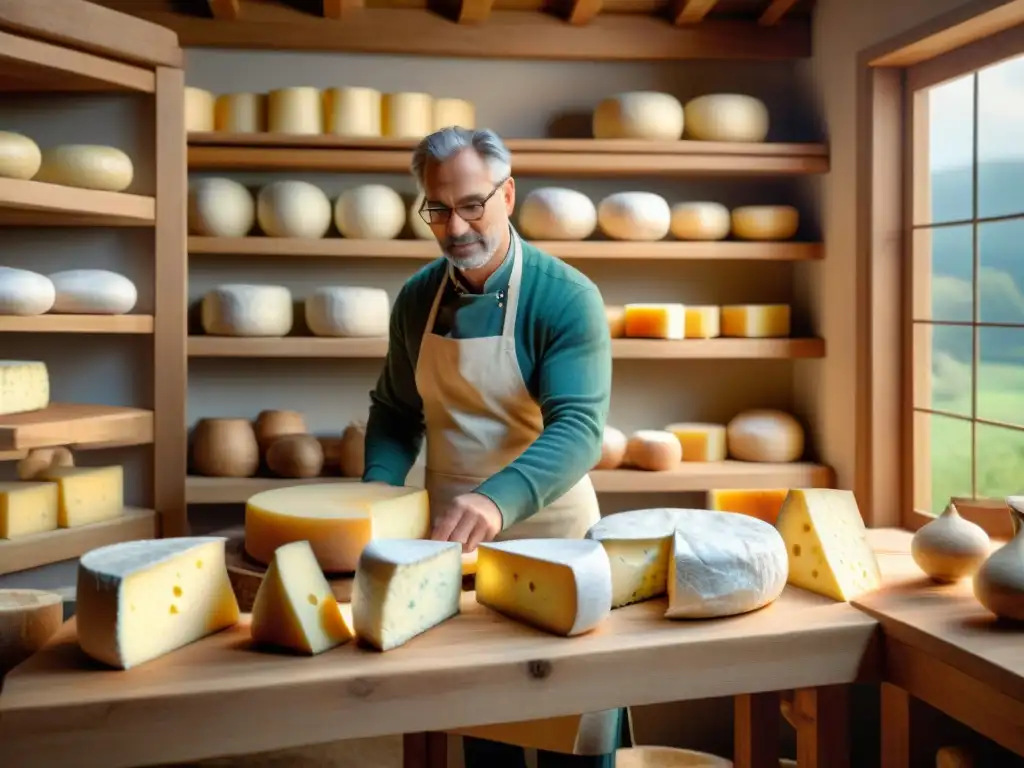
point(774, 12)
point(335, 9)
point(692, 11)
point(583, 11)
point(226, 10)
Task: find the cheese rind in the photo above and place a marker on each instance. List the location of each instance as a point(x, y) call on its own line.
point(240, 113)
point(654, 450)
point(700, 221)
point(370, 212)
point(756, 321)
point(655, 321)
point(765, 434)
point(348, 310)
point(87, 495)
point(353, 111)
point(297, 110)
point(448, 111)
point(404, 588)
point(703, 322)
point(765, 222)
point(27, 508)
point(20, 157)
point(139, 600)
point(219, 207)
point(24, 386)
point(700, 442)
point(649, 115)
point(557, 213)
point(634, 216)
point(762, 503)
point(25, 293)
point(199, 107)
point(726, 117)
point(87, 166)
point(563, 586)
point(28, 619)
point(291, 208)
point(93, 292)
point(237, 309)
point(407, 115)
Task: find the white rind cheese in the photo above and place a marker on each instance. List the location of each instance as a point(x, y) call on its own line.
point(637, 216)
point(557, 213)
point(24, 386)
point(370, 212)
point(240, 113)
point(28, 619)
point(25, 293)
point(219, 207)
point(93, 292)
point(238, 309)
point(292, 208)
point(348, 310)
point(87, 166)
point(20, 157)
point(726, 117)
point(353, 111)
point(403, 588)
point(646, 115)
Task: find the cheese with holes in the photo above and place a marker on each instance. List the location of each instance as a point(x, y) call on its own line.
point(407, 115)
point(20, 157)
point(557, 213)
point(27, 508)
point(198, 109)
point(700, 442)
point(348, 310)
point(297, 110)
point(765, 222)
point(404, 588)
point(240, 113)
point(655, 321)
point(638, 544)
point(370, 212)
point(292, 208)
point(87, 166)
point(447, 112)
point(563, 586)
point(219, 207)
point(762, 503)
point(24, 386)
point(703, 322)
point(700, 221)
point(726, 117)
point(755, 321)
point(25, 293)
point(247, 310)
point(294, 606)
point(639, 115)
point(827, 544)
point(637, 216)
point(337, 519)
point(87, 495)
point(93, 292)
point(28, 619)
point(764, 434)
point(139, 600)
point(654, 450)
point(353, 111)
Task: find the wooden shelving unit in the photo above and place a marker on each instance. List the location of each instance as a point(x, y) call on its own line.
point(77, 324)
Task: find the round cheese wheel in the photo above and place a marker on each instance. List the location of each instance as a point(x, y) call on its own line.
point(407, 115)
point(93, 292)
point(353, 111)
point(765, 222)
point(765, 435)
point(220, 207)
point(420, 229)
point(616, 317)
point(634, 216)
point(348, 310)
point(87, 166)
point(29, 618)
point(240, 113)
point(198, 109)
point(700, 221)
point(557, 213)
point(448, 112)
point(353, 449)
point(225, 448)
point(654, 450)
point(613, 449)
point(296, 110)
point(41, 460)
point(272, 424)
point(726, 117)
point(25, 293)
point(20, 157)
point(370, 212)
point(295, 456)
point(293, 209)
point(639, 115)
point(239, 309)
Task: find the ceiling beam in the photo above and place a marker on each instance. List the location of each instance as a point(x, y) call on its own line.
point(226, 10)
point(335, 9)
point(692, 11)
point(775, 11)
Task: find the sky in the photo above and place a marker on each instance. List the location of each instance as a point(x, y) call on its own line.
point(1000, 117)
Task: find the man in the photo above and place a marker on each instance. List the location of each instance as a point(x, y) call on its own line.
point(500, 355)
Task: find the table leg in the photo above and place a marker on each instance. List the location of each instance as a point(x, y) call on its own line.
point(903, 737)
point(822, 717)
point(756, 730)
point(425, 750)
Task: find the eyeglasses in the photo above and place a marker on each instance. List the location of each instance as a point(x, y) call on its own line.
point(467, 212)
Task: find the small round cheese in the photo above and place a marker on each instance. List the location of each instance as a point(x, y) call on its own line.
point(87, 166)
point(408, 115)
point(557, 213)
point(348, 310)
point(613, 449)
point(654, 450)
point(238, 309)
point(20, 157)
point(198, 109)
point(726, 117)
point(293, 209)
point(448, 112)
point(370, 212)
point(700, 221)
point(616, 317)
point(93, 292)
point(639, 115)
point(765, 435)
point(29, 618)
point(354, 112)
point(765, 222)
point(240, 113)
point(25, 293)
point(420, 229)
point(634, 216)
point(220, 207)
point(295, 110)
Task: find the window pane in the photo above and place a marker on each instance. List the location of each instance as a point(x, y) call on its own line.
point(1001, 271)
point(1001, 375)
point(1000, 149)
point(942, 367)
point(1000, 461)
point(942, 460)
point(951, 150)
point(944, 273)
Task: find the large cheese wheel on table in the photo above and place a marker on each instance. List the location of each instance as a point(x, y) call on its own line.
point(700, 221)
point(641, 216)
point(199, 108)
point(93, 292)
point(240, 113)
point(765, 222)
point(726, 117)
point(348, 310)
point(639, 115)
point(25, 293)
point(219, 207)
point(20, 157)
point(293, 208)
point(370, 212)
point(353, 112)
point(87, 166)
point(240, 309)
point(766, 435)
point(296, 110)
point(557, 213)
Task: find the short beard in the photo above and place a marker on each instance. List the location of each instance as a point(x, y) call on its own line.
point(488, 244)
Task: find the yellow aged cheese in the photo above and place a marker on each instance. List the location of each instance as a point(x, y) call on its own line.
point(700, 442)
point(295, 110)
point(762, 503)
point(28, 619)
point(198, 109)
point(20, 157)
point(703, 322)
point(27, 508)
point(828, 549)
point(295, 607)
point(24, 386)
point(87, 166)
point(407, 115)
point(655, 321)
point(87, 495)
point(765, 222)
point(337, 519)
point(453, 112)
point(240, 113)
point(354, 112)
point(755, 321)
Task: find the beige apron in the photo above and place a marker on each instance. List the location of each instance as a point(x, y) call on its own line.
point(479, 418)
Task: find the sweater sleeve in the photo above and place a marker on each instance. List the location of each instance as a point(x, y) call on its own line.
point(574, 388)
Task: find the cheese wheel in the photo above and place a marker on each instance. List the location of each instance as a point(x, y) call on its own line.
point(199, 108)
point(613, 449)
point(25, 293)
point(293, 209)
point(765, 222)
point(296, 110)
point(700, 221)
point(654, 450)
point(420, 229)
point(765, 435)
point(20, 157)
point(348, 310)
point(370, 212)
point(726, 117)
point(407, 115)
point(634, 216)
point(616, 317)
point(240, 113)
point(225, 448)
point(87, 166)
point(239, 309)
point(354, 112)
point(28, 619)
point(272, 424)
point(353, 449)
point(449, 112)
point(220, 207)
point(298, 456)
point(639, 115)
point(93, 292)
point(557, 213)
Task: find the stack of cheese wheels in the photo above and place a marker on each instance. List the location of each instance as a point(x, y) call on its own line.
point(292, 208)
point(642, 216)
point(639, 115)
point(557, 213)
point(726, 117)
point(240, 113)
point(765, 435)
point(239, 309)
point(20, 157)
point(25, 293)
point(199, 109)
point(219, 207)
point(348, 310)
point(87, 166)
point(370, 212)
point(353, 111)
point(295, 110)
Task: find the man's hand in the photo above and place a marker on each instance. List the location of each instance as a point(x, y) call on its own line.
point(470, 519)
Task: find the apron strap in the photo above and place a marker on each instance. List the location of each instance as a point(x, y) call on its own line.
point(514, 282)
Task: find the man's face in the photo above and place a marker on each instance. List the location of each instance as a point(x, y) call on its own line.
point(461, 183)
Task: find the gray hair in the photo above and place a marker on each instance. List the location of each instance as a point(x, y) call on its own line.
point(442, 144)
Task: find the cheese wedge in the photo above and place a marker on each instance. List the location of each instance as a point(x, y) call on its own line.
point(700, 442)
point(87, 495)
point(28, 619)
point(27, 508)
point(762, 503)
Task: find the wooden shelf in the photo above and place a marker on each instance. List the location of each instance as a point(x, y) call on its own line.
point(585, 250)
point(66, 543)
point(77, 324)
point(34, 203)
point(67, 424)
